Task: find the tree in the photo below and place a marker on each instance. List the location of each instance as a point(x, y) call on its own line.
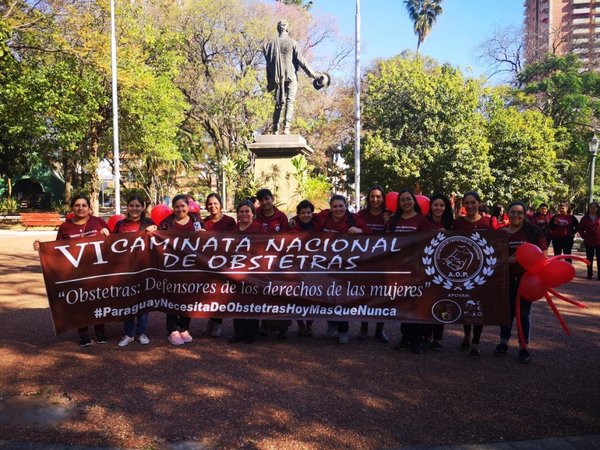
point(503, 52)
point(423, 128)
point(522, 153)
point(423, 14)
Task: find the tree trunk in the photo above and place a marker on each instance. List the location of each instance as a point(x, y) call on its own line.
point(9, 187)
point(92, 169)
point(68, 174)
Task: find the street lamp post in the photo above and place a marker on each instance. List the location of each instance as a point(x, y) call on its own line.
point(593, 146)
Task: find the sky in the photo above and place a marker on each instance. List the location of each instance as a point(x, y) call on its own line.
point(386, 29)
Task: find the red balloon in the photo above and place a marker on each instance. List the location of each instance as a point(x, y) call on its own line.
point(112, 221)
point(391, 201)
point(160, 213)
point(194, 207)
point(70, 215)
point(423, 202)
point(531, 258)
point(558, 272)
point(532, 287)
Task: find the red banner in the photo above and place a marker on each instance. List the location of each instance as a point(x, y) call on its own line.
point(435, 277)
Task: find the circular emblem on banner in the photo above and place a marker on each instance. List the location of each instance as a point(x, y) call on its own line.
point(446, 311)
point(459, 262)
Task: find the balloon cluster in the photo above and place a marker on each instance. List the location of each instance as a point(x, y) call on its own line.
point(391, 202)
point(541, 276)
point(113, 220)
point(160, 213)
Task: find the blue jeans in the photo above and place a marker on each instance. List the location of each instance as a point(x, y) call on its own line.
point(129, 325)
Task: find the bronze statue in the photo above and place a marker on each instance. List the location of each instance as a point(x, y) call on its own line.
point(283, 60)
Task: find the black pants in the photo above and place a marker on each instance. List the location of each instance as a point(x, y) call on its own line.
point(245, 328)
point(433, 330)
point(505, 331)
point(342, 327)
point(477, 330)
point(590, 251)
point(562, 246)
point(411, 333)
point(177, 323)
point(84, 331)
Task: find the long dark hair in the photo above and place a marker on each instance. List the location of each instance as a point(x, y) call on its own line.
point(80, 197)
point(533, 232)
point(140, 199)
point(213, 195)
point(375, 187)
point(398, 214)
point(447, 216)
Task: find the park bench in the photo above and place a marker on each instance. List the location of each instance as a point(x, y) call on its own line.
point(41, 220)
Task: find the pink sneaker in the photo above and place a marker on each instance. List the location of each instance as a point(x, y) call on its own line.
point(186, 336)
point(176, 339)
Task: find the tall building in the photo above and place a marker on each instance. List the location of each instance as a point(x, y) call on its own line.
point(562, 26)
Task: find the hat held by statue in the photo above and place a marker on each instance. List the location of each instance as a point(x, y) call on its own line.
point(323, 81)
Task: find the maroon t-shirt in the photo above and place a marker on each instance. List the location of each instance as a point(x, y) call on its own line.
point(515, 240)
point(462, 224)
point(415, 223)
point(436, 225)
point(131, 226)
point(563, 226)
point(70, 230)
point(326, 223)
point(225, 223)
point(274, 223)
point(255, 228)
point(541, 220)
point(375, 222)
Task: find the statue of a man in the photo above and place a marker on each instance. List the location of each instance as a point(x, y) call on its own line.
point(283, 60)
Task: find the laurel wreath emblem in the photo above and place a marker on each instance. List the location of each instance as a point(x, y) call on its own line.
point(480, 279)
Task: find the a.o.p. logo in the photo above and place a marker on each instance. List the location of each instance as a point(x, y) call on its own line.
point(459, 262)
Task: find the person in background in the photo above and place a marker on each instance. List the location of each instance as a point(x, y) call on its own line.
point(441, 218)
point(563, 227)
point(408, 218)
point(338, 219)
point(304, 223)
point(519, 231)
point(376, 217)
point(589, 230)
point(218, 222)
point(136, 220)
point(541, 218)
point(498, 218)
point(472, 221)
point(82, 224)
point(245, 330)
point(181, 220)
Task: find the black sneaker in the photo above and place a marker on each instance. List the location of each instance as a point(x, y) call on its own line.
point(425, 343)
point(416, 349)
point(235, 339)
point(465, 345)
point(101, 338)
point(475, 352)
point(435, 345)
point(402, 345)
point(501, 350)
point(524, 356)
point(85, 341)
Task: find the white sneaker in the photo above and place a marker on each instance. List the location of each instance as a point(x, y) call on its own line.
point(143, 339)
point(125, 341)
point(216, 330)
point(331, 330)
point(175, 338)
point(186, 336)
point(344, 338)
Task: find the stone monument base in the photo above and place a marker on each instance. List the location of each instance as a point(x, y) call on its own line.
point(273, 166)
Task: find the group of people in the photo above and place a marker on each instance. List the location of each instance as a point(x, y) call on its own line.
point(262, 216)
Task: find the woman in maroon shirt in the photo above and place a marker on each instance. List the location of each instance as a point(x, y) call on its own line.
point(589, 230)
point(216, 221)
point(83, 224)
point(563, 227)
point(376, 217)
point(472, 221)
point(135, 221)
point(181, 220)
point(408, 218)
point(338, 219)
point(246, 329)
point(519, 232)
point(441, 218)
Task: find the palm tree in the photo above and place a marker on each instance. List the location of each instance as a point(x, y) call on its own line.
point(423, 14)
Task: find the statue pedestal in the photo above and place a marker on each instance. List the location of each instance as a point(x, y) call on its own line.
point(273, 167)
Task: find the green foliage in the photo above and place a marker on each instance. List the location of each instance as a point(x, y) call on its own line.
point(315, 188)
point(423, 128)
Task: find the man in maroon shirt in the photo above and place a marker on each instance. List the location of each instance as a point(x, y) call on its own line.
point(271, 218)
point(272, 221)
